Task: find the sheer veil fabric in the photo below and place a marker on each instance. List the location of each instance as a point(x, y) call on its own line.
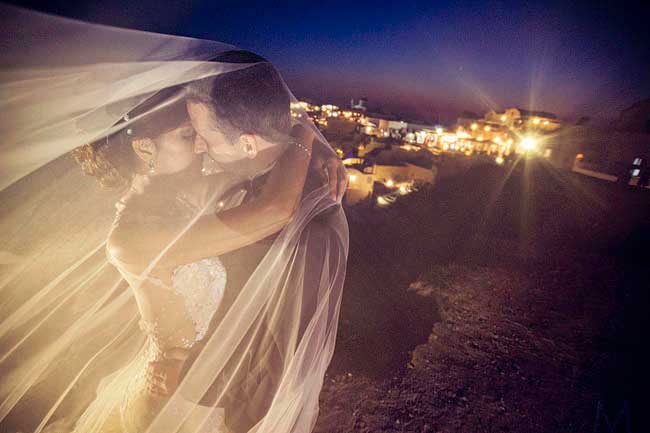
point(70, 340)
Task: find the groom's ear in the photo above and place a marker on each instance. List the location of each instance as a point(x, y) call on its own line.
point(145, 148)
point(248, 145)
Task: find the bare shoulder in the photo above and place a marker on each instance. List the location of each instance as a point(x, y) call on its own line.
point(122, 241)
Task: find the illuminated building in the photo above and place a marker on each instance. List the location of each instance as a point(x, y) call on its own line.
point(360, 105)
point(516, 118)
point(360, 186)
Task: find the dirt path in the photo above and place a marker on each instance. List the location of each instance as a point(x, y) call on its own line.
point(493, 305)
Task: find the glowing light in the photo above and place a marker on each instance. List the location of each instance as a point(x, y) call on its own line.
point(487, 128)
point(579, 156)
point(439, 130)
point(403, 190)
point(545, 122)
point(529, 143)
point(503, 118)
point(221, 204)
point(390, 183)
point(499, 160)
point(387, 199)
point(353, 178)
point(536, 121)
point(474, 126)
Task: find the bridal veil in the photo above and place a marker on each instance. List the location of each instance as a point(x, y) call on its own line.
point(68, 321)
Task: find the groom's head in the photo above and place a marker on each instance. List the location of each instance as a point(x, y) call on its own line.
point(242, 118)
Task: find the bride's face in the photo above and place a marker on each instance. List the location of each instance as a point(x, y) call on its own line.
point(174, 150)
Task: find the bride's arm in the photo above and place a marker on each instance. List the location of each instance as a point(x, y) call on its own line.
point(230, 230)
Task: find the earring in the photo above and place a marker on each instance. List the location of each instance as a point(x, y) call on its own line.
point(152, 167)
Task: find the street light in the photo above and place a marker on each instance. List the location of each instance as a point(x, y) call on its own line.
point(529, 143)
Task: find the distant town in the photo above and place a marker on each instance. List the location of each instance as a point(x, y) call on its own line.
point(387, 157)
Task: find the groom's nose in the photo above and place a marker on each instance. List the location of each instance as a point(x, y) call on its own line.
point(200, 146)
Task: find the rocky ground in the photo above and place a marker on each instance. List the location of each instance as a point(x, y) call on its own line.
point(503, 300)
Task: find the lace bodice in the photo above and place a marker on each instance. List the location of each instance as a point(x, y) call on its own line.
point(195, 290)
point(202, 285)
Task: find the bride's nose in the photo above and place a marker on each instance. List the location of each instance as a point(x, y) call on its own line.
point(200, 146)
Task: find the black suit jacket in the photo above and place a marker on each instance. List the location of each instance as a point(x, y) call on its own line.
point(240, 264)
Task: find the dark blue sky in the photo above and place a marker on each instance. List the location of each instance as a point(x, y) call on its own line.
point(425, 60)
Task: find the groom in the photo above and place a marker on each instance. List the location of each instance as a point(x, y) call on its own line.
point(242, 120)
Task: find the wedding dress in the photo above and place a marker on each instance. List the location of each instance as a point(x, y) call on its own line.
point(200, 285)
point(123, 404)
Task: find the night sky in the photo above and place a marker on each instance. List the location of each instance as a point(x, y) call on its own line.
point(424, 60)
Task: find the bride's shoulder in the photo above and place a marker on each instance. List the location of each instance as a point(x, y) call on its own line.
point(135, 234)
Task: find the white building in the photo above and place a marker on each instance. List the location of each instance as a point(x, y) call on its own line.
point(515, 118)
point(360, 186)
point(361, 183)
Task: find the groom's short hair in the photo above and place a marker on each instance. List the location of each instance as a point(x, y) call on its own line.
point(251, 100)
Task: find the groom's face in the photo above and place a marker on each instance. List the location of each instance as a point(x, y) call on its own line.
point(210, 136)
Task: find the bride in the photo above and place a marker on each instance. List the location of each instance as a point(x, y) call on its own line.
point(247, 358)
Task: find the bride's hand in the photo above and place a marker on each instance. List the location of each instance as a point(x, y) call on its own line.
point(163, 377)
point(332, 171)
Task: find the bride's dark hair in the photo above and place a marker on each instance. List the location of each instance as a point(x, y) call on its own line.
point(111, 159)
